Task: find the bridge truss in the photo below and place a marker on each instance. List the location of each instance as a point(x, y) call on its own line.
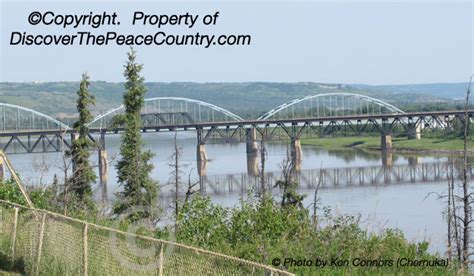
point(170, 111)
point(18, 118)
point(328, 105)
point(26, 130)
point(357, 125)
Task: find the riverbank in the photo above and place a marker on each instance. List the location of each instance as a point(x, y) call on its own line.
point(402, 144)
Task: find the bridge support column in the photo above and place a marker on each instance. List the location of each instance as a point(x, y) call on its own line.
point(201, 153)
point(201, 167)
point(414, 131)
point(295, 150)
point(252, 151)
point(296, 168)
point(103, 173)
point(201, 156)
point(252, 164)
point(386, 148)
point(251, 139)
point(386, 142)
point(103, 166)
point(387, 159)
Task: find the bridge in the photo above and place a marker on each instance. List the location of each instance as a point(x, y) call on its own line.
point(23, 130)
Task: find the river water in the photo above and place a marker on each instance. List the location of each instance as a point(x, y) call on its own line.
point(407, 204)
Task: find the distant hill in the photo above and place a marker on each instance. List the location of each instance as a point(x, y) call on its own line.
point(442, 90)
point(246, 99)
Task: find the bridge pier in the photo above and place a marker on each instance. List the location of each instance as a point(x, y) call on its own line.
point(252, 164)
point(202, 168)
point(103, 166)
point(201, 154)
point(251, 140)
point(386, 142)
point(252, 151)
point(202, 184)
point(387, 159)
point(296, 168)
point(386, 149)
point(295, 149)
point(201, 160)
point(414, 131)
point(103, 173)
point(296, 154)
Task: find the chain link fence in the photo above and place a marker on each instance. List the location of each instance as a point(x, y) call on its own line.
point(40, 242)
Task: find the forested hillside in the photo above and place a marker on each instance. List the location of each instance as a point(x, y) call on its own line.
point(246, 99)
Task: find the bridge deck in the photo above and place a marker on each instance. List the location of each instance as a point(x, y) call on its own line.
point(260, 123)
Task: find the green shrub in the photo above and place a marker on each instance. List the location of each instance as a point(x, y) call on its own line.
point(260, 230)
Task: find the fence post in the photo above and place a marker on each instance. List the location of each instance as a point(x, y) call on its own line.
point(15, 223)
point(85, 256)
point(40, 244)
point(160, 271)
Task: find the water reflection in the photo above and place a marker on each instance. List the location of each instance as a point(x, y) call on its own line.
point(343, 177)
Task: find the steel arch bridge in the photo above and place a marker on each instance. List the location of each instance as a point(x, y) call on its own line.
point(18, 118)
point(320, 115)
point(172, 111)
point(329, 105)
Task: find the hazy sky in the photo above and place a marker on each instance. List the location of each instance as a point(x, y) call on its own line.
point(337, 42)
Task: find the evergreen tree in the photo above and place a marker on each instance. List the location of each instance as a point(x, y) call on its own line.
point(83, 175)
point(139, 196)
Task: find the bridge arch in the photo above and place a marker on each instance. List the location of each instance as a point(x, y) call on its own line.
point(19, 118)
point(330, 104)
point(171, 111)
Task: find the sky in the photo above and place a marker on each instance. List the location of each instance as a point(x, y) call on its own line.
point(370, 42)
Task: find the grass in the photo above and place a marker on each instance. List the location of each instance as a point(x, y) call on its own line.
point(401, 143)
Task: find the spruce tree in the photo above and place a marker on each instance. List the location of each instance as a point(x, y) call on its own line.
point(139, 196)
point(83, 175)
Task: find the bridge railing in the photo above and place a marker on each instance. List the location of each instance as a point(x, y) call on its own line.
point(38, 242)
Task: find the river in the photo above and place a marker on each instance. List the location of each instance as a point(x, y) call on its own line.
point(406, 203)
